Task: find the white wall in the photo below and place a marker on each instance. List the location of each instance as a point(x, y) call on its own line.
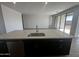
point(12, 19)
point(30, 21)
point(2, 26)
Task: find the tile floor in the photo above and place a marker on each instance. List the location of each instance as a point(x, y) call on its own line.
point(74, 51)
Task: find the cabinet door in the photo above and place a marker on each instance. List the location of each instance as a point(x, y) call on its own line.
point(16, 48)
point(41, 47)
point(3, 49)
point(46, 47)
point(65, 45)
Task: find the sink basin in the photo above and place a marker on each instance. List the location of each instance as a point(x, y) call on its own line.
point(36, 34)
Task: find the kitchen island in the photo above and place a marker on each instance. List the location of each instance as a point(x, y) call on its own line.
point(54, 43)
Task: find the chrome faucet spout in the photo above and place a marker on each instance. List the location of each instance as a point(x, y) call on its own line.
point(36, 28)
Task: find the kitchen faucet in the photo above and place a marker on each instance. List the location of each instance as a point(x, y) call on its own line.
point(36, 28)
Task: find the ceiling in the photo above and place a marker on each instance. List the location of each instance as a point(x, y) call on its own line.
point(39, 7)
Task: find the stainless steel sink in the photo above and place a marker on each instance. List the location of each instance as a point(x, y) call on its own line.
point(36, 34)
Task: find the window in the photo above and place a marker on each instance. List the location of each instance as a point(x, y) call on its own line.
point(68, 23)
point(62, 22)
